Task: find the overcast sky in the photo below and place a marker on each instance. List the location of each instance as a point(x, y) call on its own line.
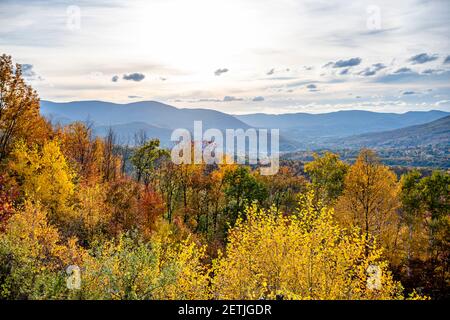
point(236, 56)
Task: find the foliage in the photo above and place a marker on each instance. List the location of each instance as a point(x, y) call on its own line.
point(19, 109)
point(302, 256)
point(131, 269)
point(370, 200)
point(144, 160)
point(327, 176)
point(33, 256)
point(44, 176)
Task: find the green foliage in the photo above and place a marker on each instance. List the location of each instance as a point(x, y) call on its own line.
point(241, 189)
point(144, 160)
point(327, 176)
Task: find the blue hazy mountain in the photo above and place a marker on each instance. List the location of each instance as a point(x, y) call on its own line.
point(340, 123)
point(429, 134)
point(150, 112)
point(297, 131)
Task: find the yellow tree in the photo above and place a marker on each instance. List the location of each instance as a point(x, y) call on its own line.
point(302, 256)
point(34, 257)
point(131, 269)
point(370, 200)
point(44, 175)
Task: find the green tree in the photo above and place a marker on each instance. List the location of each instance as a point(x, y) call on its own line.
point(144, 160)
point(241, 189)
point(327, 175)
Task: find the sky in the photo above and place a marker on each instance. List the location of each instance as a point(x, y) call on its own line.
point(235, 56)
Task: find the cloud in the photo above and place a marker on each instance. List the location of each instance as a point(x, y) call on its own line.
point(270, 72)
point(29, 73)
point(134, 76)
point(311, 86)
point(344, 63)
point(134, 97)
point(447, 60)
point(208, 100)
point(408, 93)
point(344, 71)
point(259, 98)
point(27, 70)
point(423, 58)
point(370, 71)
point(231, 98)
point(218, 72)
point(115, 78)
point(403, 70)
point(432, 71)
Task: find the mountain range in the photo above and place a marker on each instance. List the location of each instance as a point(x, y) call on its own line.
point(433, 133)
point(297, 130)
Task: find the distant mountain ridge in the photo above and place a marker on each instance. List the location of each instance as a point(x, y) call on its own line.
point(297, 131)
point(429, 134)
point(151, 112)
point(339, 123)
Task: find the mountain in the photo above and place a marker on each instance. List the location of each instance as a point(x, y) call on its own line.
point(155, 119)
point(433, 133)
point(304, 126)
point(299, 131)
point(150, 112)
point(126, 132)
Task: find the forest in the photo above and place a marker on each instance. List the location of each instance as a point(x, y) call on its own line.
point(127, 223)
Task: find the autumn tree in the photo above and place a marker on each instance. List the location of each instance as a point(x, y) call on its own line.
point(93, 157)
point(122, 200)
point(8, 193)
point(306, 255)
point(19, 109)
point(370, 200)
point(169, 187)
point(128, 268)
point(144, 160)
point(33, 256)
point(283, 188)
point(44, 176)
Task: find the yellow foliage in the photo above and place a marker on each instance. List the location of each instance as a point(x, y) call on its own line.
point(301, 256)
point(131, 269)
point(44, 176)
point(370, 201)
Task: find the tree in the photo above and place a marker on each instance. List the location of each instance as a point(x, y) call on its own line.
point(8, 193)
point(19, 109)
point(241, 189)
point(33, 257)
point(370, 200)
point(412, 214)
point(144, 160)
point(327, 176)
point(436, 201)
point(92, 157)
point(131, 269)
point(44, 176)
point(306, 255)
point(283, 189)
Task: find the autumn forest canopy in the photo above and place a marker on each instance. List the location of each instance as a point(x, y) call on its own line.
point(137, 226)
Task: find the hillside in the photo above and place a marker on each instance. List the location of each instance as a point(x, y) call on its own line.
point(432, 133)
point(150, 112)
point(301, 126)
